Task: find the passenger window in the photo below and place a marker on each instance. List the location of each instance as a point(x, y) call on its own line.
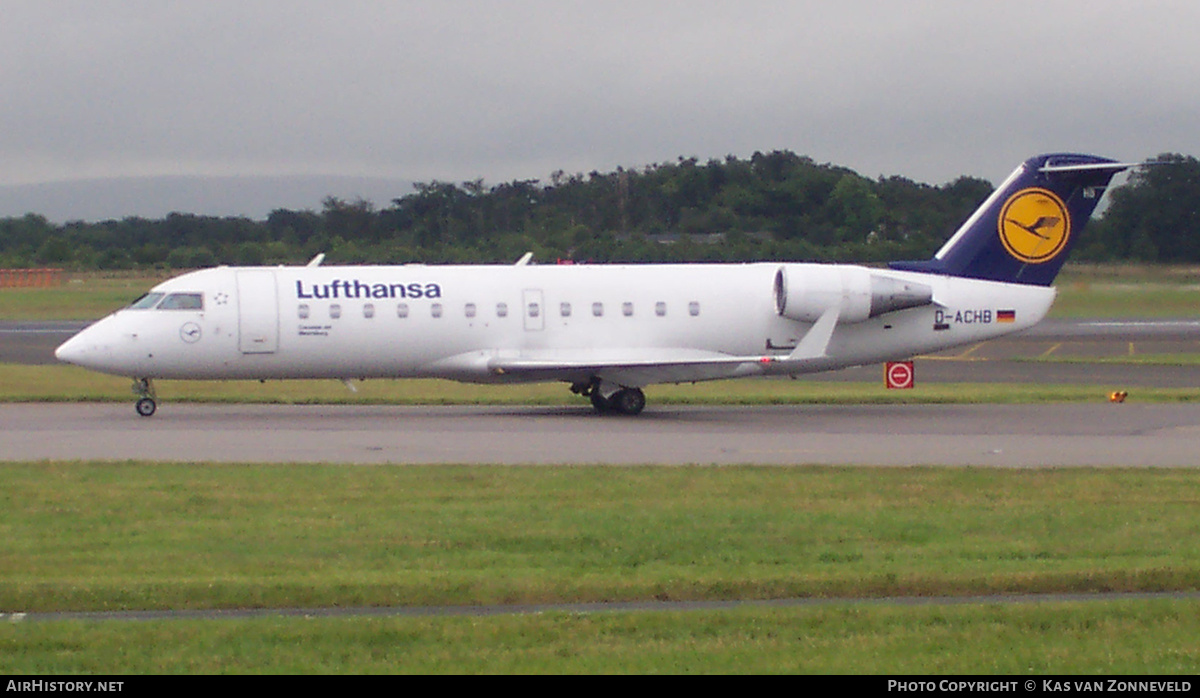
point(565, 309)
point(534, 310)
point(694, 308)
point(182, 301)
point(470, 310)
point(436, 310)
point(598, 309)
point(302, 311)
point(502, 310)
point(660, 309)
point(369, 310)
point(335, 311)
point(149, 300)
point(402, 310)
point(627, 309)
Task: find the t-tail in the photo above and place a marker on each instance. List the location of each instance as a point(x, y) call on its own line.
point(1024, 231)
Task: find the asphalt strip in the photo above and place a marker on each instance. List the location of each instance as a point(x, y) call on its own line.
point(582, 608)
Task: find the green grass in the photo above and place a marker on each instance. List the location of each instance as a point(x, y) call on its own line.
point(104, 536)
point(1116, 290)
point(1142, 301)
point(84, 296)
point(1110, 638)
point(20, 383)
point(132, 535)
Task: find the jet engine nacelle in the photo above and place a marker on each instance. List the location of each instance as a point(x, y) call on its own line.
point(805, 291)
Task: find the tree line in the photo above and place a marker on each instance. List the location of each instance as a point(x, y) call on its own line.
point(771, 206)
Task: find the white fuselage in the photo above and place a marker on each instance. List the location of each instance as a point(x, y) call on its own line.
point(467, 322)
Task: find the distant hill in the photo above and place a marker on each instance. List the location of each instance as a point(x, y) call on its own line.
point(154, 197)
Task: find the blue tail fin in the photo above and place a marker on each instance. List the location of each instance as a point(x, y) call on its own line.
point(1024, 231)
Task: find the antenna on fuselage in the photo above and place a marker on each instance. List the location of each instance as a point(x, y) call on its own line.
point(316, 261)
point(524, 260)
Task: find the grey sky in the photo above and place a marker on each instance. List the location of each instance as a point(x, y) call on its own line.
point(457, 89)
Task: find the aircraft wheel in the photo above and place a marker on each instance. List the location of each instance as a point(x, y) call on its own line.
point(146, 406)
point(630, 401)
point(601, 403)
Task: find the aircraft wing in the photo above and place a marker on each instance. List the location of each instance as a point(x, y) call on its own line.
point(641, 366)
point(630, 367)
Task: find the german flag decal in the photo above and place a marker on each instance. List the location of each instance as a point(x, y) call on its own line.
point(1006, 316)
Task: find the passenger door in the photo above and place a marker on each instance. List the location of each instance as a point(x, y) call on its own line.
point(258, 311)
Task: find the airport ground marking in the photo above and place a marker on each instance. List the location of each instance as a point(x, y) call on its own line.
point(964, 356)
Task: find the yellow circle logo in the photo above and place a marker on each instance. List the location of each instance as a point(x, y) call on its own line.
point(1034, 225)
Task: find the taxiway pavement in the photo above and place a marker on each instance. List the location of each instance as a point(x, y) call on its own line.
point(1100, 434)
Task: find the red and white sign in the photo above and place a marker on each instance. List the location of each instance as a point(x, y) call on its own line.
point(898, 374)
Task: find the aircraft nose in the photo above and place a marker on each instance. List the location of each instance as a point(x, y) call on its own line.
point(72, 351)
point(108, 346)
point(91, 348)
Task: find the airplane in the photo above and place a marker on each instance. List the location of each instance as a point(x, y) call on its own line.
point(607, 331)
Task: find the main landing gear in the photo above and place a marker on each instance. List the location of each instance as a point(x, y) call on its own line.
point(627, 401)
point(146, 404)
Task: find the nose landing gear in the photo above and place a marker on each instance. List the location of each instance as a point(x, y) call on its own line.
point(146, 404)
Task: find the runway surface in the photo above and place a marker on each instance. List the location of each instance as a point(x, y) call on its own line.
point(33, 343)
point(1099, 434)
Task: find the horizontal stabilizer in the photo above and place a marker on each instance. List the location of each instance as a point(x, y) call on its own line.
point(1113, 167)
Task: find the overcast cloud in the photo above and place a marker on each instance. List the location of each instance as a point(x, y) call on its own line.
point(456, 90)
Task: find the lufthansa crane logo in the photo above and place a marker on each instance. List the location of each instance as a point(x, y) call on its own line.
point(190, 333)
point(1034, 225)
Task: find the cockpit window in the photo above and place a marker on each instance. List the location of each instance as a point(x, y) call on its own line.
point(183, 301)
point(147, 301)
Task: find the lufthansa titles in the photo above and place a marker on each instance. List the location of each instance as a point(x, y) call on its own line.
point(353, 288)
